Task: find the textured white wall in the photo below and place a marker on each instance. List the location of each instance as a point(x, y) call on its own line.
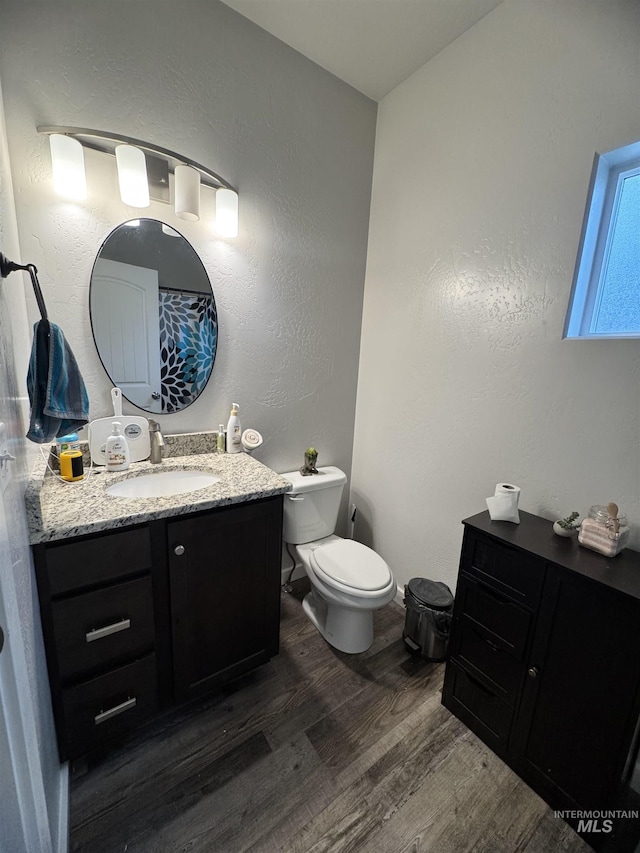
point(197, 78)
point(481, 169)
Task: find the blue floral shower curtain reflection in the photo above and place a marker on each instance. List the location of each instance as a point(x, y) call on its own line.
point(188, 339)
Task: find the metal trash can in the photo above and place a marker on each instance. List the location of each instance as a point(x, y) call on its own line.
point(427, 622)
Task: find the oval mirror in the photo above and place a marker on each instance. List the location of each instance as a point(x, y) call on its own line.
point(153, 316)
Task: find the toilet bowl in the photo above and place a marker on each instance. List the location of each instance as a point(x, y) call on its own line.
point(348, 580)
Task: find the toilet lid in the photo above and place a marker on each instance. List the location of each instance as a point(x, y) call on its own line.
point(351, 564)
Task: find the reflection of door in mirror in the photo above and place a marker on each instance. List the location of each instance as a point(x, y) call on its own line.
point(124, 305)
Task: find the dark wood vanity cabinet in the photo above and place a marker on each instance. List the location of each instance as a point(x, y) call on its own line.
point(99, 633)
point(224, 570)
point(139, 619)
point(544, 666)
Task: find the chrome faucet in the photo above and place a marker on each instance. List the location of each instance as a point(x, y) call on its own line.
point(157, 442)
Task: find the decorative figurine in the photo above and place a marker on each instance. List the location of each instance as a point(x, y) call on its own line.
point(567, 526)
point(310, 459)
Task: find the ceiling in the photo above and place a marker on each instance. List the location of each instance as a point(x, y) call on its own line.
point(371, 44)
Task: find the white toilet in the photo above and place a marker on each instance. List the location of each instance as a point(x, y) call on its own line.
point(348, 580)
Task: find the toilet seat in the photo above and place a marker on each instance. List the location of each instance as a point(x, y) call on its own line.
point(351, 567)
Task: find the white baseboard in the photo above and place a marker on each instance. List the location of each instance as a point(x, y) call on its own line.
point(63, 811)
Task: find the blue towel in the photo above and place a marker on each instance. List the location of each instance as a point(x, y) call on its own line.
point(57, 393)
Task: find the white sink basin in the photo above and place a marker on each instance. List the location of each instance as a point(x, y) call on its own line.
point(163, 484)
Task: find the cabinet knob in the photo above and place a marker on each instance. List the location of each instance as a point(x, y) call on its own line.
point(178, 550)
point(532, 672)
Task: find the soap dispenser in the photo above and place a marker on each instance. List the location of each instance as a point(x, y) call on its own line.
point(117, 450)
point(234, 431)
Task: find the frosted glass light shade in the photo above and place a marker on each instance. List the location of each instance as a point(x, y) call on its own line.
point(132, 176)
point(67, 160)
point(187, 193)
point(226, 213)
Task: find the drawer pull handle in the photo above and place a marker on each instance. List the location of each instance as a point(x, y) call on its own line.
point(533, 672)
point(99, 633)
point(103, 716)
point(493, 646)
point(492, 593)
point(480, 686)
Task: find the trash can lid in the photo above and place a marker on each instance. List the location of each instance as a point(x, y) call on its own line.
point(431, 593)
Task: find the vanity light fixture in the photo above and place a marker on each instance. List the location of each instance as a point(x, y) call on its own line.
point(159, 163)
point(132, 176)
point(186, 189)
point(227, 213)
point(67, 160)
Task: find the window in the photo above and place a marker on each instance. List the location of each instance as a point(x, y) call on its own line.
point(605, 298)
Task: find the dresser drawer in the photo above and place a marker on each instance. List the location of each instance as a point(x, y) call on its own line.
point(494, 611)
point(479, 649)
point(508, 570)
point(109, 706)
point(96, 630)
point(478, 706)
point(89, 562)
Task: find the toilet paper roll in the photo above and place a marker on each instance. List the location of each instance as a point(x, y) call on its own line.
point(508, 489)
point(503, 508)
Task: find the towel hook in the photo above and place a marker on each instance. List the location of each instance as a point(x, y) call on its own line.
point(7, 266)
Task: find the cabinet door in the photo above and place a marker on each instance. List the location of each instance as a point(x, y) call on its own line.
point(224, 571)
point(579, 705)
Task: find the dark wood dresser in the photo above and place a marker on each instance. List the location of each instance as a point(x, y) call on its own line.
point(544, 666)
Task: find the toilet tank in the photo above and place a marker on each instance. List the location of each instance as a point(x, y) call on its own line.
point(311, 507)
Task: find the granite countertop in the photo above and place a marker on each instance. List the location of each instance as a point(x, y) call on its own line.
point(57, 510)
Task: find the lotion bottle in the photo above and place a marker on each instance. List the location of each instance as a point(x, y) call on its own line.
point(234, 431)
point(117, 450)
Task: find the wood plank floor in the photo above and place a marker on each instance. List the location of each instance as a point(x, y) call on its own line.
point(315, 752)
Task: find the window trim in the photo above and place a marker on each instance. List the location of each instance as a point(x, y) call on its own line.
point(607, 175)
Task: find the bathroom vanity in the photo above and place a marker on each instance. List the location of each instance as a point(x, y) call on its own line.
point(149, 603)
point(544, 666)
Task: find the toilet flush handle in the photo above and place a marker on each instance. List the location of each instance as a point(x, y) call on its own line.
point(295, 497)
